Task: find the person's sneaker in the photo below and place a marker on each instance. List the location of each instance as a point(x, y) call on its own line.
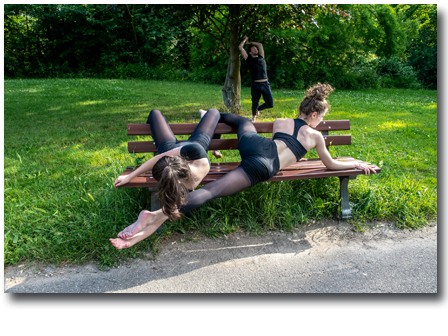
point(217, 154)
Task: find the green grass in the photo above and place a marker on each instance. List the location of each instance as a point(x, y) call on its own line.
point(66, 142)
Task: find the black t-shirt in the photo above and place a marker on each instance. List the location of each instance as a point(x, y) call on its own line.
point(257, 67)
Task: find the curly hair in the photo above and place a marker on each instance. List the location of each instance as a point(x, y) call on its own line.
point(315, 99)
point(171, 172)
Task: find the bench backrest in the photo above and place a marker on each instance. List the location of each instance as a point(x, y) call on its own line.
point(185, 129)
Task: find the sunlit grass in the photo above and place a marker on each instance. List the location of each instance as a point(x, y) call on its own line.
point(66, 142)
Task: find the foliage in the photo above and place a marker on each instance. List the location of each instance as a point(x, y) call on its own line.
point(422, 54)
point(394, 73)
point(53, 40)
point(340, 44)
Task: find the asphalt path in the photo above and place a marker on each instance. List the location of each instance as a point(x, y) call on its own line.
point(325, 258)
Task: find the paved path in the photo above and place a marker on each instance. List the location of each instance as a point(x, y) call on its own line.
point(325, 258)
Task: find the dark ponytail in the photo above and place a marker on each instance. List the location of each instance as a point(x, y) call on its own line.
point(315, 99)
point(169, 171)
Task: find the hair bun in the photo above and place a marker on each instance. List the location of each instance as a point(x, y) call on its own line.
point(319, 91)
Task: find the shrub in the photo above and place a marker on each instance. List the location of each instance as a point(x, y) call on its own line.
point(356, 78)
point(394, 73)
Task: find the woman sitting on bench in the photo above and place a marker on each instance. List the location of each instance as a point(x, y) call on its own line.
point(261, 160)
point(179, 167)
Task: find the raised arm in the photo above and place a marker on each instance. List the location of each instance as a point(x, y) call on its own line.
point(241, 47)
point(332, 164)
point(259, 47)
point(147, 166)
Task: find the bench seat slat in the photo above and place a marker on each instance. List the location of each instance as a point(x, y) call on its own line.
point(184, 129)
point(312, 168)
point(223, 144)
point(218, 168)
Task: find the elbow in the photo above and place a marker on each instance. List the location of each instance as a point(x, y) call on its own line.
point(331, 165)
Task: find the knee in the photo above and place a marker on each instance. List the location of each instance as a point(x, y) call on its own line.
point(214, 112)
point(154, 112)
point(270, 104)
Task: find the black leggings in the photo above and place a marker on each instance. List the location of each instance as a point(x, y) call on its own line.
point(161, 131)
point(231, 183)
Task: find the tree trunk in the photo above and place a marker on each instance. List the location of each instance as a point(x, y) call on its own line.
point(231, 92)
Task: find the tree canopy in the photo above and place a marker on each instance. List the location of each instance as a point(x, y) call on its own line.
point(349, 46)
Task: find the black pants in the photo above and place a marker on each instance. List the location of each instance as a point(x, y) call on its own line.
point(259, 89)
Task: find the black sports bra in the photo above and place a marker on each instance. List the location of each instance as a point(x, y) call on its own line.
point(291, 140)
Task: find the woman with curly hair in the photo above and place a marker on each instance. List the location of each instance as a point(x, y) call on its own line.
point(261, 160)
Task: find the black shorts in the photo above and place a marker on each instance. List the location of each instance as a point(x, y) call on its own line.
point(259, 157)
point(201, 138)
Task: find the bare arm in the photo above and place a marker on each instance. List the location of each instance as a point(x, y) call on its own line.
point(241, 48)
point(148, 165)
point(259, 47)
point(332, 164)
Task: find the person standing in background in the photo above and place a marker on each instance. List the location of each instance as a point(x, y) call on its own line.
point(260, 85)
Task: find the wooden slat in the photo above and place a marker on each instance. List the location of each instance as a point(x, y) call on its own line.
point(300, 170)
point(220, 168)
point(184, 129)
point(333, 125)
point(150, 147)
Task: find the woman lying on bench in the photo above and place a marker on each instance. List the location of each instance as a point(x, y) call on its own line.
point(186, 161)
point(261, 160)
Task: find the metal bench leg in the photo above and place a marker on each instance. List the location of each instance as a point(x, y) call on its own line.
point(346, 211)
point(155, 204)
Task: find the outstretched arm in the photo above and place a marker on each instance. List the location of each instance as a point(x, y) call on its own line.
point(259, 47)
point(332, 164)
point(241, 47)
point(148, 165)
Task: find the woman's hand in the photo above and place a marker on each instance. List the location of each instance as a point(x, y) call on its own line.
point(367, 169)
point(121, 180)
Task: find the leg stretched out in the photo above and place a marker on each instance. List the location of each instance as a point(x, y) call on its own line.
point(233, 182)
point(208, 123)
point(242, 124)
point(230, 184)
point(216, 152)
point(160, 129)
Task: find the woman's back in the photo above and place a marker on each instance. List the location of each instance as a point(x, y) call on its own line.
point(292, 149)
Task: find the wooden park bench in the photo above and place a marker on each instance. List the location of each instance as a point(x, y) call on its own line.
point(312, 168)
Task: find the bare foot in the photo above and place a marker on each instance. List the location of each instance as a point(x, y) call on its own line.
point(143, 221)
point(217, 154)
point(145, 218)
point(202, 112)
point(120, 243)
point(254, 118)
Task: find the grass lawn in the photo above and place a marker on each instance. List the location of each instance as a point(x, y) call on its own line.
point(66, 142)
